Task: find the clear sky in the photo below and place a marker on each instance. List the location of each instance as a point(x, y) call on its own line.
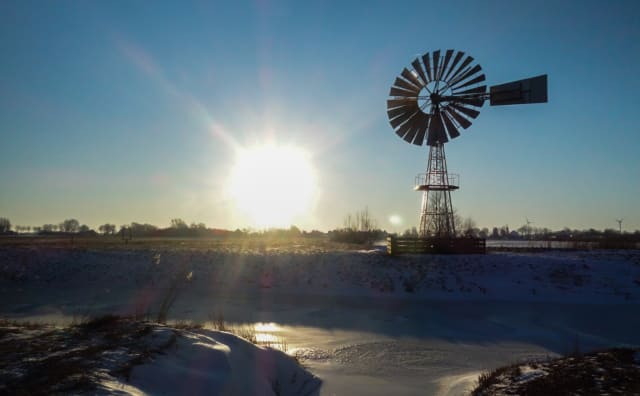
point(134, 111)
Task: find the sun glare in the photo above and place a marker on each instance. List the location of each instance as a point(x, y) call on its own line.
point(395, 220)
point(273, 185)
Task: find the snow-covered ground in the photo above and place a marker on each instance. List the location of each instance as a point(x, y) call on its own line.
point(113, 355)
point(363, 322)
point(205, 362)
point(613, 371)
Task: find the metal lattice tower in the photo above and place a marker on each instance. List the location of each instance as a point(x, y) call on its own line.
point(436, 216)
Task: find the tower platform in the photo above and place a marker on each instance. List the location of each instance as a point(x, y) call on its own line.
point(431, 182)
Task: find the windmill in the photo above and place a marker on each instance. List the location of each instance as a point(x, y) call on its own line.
point(430, 102)
point(619, 225)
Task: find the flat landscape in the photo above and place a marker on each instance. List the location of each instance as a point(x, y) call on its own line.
point(288, 198)
point(361, 321)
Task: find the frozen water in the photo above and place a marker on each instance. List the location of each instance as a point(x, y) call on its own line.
point(364, 323)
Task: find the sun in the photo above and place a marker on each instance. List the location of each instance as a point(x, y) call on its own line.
point(272, 185)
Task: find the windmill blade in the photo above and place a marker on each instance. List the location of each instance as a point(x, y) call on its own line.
point(419, 139)
point(463, 122)
point(402, 93)
point(443, 138)
point(431, 134)
point(405, 85)
point(445, 63)
point(436, 61)
point(415, 122)
point(528, 90)
point(427, 65)
point(399, 120)
point(451, 128)
point(418, 68)
point(404, 128)
point(476, 80)
point(465, 75)
point(436, 130)
point(412, 77)
point(401, 131)
point(464, 64)
point(399, 111)
point(471, 91)
point(393, 103)
point(468, 112)
point(459, 55)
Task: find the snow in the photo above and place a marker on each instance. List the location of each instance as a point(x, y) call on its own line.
point(152, 359)
point(529, 373)
point(556, 276)
point(218, 363)
point(363, 322)
point(457, 384)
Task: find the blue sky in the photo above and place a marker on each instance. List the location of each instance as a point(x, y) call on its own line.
point(129, 111)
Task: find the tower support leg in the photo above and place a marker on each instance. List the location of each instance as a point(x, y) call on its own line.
point(436, 217)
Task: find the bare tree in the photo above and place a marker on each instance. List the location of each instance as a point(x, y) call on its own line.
point(178, 223)
point(5, 224)
point(358, 228)
point(524, 230)
point(468, 227)
point(107, 229)
point(70, 225)
point(411, 232)
point(360, 221)
point(348, 223)
point(363, 220)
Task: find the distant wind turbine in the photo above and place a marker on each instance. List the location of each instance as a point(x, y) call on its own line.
point(619, 224)
point(528, 227)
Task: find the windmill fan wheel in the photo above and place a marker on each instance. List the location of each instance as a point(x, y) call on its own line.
point(430, 101)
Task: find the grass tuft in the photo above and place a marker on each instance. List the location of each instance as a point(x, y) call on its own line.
point(100, 322)
point(612, 371)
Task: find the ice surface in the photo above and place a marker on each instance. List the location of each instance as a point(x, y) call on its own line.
point(363, 322)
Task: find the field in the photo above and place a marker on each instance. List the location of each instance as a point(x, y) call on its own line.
point(363, 322)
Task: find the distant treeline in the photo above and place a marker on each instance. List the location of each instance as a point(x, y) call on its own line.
point(357, 228)
point(545, 234)
point(178, 228)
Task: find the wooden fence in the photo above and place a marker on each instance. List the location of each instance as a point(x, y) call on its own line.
point(397, 245)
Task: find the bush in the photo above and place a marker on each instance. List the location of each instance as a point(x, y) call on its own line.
point(359, 237)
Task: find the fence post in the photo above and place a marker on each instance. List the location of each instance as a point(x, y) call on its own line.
point(391, 245)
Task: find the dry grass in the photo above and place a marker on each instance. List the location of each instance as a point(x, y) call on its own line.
point(612, 372)
point(246, 244)
point(488, 379)
point(216, 322)
point(45, 359)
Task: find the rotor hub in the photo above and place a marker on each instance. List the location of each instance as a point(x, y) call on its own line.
point(438, 96)
point(436, 99)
